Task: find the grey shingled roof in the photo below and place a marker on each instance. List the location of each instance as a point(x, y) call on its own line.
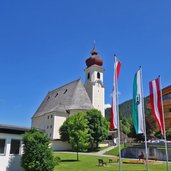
point(68, 97)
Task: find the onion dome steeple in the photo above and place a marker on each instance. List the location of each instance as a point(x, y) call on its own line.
point(94, 59)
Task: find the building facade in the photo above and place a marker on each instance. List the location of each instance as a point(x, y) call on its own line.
point(11, 147)
point(166, 96)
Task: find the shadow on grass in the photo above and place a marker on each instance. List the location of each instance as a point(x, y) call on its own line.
point(72, 160)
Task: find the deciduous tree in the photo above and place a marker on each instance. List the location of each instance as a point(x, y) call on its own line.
point(37, 154)
point(98, 127)
point(75, 131)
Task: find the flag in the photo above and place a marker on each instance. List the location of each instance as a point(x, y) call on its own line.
point(156, 102)
point(137, 104)
point(114, 111)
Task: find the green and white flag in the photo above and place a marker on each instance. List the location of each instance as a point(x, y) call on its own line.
point(137, 104)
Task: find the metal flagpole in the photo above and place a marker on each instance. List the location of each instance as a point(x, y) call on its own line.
point(119, 139)
point(145, 134)
point(120, 157)
point(166, 149)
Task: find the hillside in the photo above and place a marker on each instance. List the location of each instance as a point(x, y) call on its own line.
point(125, 109)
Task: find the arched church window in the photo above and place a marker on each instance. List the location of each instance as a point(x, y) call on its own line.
point(98, 75)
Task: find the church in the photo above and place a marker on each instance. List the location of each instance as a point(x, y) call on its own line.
point(69, 99)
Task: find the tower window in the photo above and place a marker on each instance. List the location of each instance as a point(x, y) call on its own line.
point(98, 75)
point(88, 76)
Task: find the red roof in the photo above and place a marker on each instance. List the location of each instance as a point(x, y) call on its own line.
point(94, 59)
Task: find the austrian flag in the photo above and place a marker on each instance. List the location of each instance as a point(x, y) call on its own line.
point(156, 102)
point(114, 112)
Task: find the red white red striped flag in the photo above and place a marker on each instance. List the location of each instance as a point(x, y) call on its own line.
point(114, 113)
point(156, 102)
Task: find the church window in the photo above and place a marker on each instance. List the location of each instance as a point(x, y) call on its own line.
point(2, 146)
point(88, 76)
point(51, 126)
point(48, 117)
point(65, 91)
point(47, 127)
point(98, 75)
point(56, 95)
point(51, 116)
point(15, 147)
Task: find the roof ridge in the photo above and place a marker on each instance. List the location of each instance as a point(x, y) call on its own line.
point(64, 85)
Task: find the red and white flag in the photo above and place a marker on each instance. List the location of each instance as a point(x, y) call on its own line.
point(156, 102)
point(114, 112)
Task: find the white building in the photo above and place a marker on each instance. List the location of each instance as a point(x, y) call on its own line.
point(11, 147)
point(70, 99)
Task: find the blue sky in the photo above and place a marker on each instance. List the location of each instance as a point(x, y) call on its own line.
point(44, 45)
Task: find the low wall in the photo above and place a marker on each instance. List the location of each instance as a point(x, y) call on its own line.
point(134, 152)
point(60, 145)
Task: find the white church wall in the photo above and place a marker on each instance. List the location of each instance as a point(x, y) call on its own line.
point(94, 87)
point(44, 122)
point(49, 124)
point(39, 122)
point(98, 100)
point(59, 119)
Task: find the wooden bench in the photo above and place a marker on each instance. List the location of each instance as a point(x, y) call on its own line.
point(152, 157)
point(102, 163)
point(113, 159)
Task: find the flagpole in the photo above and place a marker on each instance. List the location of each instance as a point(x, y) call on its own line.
point(145, 134)
point(119, 138)
point(166, 149)
point(119, 145)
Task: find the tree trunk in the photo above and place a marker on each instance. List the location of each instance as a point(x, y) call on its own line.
point(97, 144)
point(77, 153)
point(77, 156)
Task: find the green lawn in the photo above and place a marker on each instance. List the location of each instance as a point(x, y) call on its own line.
point(115, 151)
point(90, 163)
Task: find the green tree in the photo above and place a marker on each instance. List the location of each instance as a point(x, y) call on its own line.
point(98, 127)
point(168, 134)
point(37, 155)
point(158, 135)
point(125, 126)
point(75, 131)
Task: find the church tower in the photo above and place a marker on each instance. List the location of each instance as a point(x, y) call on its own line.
point(94, 80)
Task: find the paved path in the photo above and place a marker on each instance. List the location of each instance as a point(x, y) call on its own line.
point(105, 150)
point(99, 153)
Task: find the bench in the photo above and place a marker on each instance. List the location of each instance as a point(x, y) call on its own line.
point(152, 157)
point(113, 159)
point(102, 163)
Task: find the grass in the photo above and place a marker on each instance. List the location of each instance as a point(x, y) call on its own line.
point(90, 163)
point(99, 149)
point(114, 151)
